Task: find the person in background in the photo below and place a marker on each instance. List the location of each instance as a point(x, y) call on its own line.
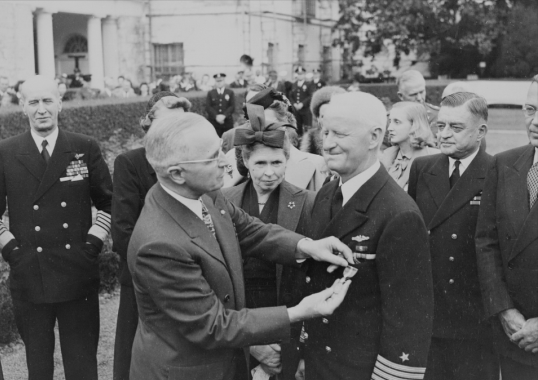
point(187, 83)
point(7, 95)
point(133, 177)
point(267, 196)
point(50, 179)
point(220, 105)
point(274, 82)
point(447, 188)
point(355, 85)
point(300, 95)
point(507, 250)
point(144, 89)
point(410, 136)
point(204, 83)
point(77, 81)
point(125, 91)
point(108, 91)
point(317, 82)
point(259, 78)
point(119, 81)
point(62, 89)
point(239, 81)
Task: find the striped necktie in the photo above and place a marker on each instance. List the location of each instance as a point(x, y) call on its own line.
point(532, 184)
point(206, 217)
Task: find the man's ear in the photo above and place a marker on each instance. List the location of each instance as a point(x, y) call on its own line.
point(377, 136)
point(482, 131)
point(176, 174)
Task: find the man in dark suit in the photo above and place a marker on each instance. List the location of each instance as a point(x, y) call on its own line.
point(317, 82)
point(133, 177)
point(239, 81)
point(300, 95)
point(185, 259)
point(507, 250)
point(51, 178)
point(275, 83)
point(220, 105)
point(447, 188)
point(383, 329)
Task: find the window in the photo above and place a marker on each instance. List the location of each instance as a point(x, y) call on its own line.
point(76, 44)
point(271, 56)
point(168, 59)
point(310, 8)
point(300, 55)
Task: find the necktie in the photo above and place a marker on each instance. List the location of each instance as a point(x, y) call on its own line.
point(336, 204)
point(206, 216)
point(45, 153)
point(455, 174)
point(532, 184)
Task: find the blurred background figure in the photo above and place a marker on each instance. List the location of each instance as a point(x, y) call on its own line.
point(247, 62)
point(239, 81)
point(7, 94)
point(300, 96)
point(259, 78)
point(76, 79)
point(317, 82)
point(108, 91)
point(187, 83)
point(274, 82)
point(144, 89)
point(410, 136)
point(125, 91)
point(62, 89)
point(355, 85)
point(174, 83)
point(204, 84)
point(220, 105)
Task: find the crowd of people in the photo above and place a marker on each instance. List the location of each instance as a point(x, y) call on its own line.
point(325, 237)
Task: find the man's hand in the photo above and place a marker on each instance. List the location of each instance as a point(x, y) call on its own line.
point(269, 357)
point(320, 304)
point(298, 106)
point(329, 250)
point(299, 374)
point(527, 337)
point(512, 321)
point(220, 118)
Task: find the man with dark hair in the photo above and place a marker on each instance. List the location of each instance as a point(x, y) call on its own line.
point(300, 95)
point(50, 179)
point(239, 82)
point(133, 177)
point(220, 105)
point(274, 82)
point(447, 188)
point(507, 250)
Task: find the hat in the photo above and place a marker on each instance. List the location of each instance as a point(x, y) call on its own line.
point(246, 59)
point(258, 133)
point(300, 69)
point(219, 75)
point(323, 96)
point(266, 97)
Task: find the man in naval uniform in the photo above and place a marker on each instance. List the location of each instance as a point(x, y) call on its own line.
point(220, 105)
point(382, 329)
point(50, 179)
point(317, 82)
point(300, 95)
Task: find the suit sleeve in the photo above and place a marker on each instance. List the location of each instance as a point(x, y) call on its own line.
point(126, 205)
point(490, 267)
point(176, 284)
point(413, 178)
point(212, 112)
point(101, 195)
point(231, 108)
point(405, 280)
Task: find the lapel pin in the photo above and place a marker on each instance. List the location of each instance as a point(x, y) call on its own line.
point(404, 357)
point(79, 155)
point(360, 238)
point(291, 205)
point(222, 212)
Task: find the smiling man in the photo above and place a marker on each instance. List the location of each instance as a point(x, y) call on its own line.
point(51, 178)
point(507, 250)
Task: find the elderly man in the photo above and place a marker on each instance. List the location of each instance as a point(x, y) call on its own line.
point(383, 329)
point(507, 250)
point(51, 178)
point(447, 188)
point(185, 259)
point(412, 88)
point(133, 177)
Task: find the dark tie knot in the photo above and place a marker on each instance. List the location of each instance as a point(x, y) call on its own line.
point(44, 144)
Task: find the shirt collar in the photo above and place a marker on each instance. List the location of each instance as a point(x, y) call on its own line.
point(354, 184)
point(192, 204)
point(535, 156)
point(464, 162)
point(51, 140)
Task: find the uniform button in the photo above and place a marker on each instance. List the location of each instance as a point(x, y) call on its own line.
point(68, 246)
point(451, 258)
point(36, 207)
point(325, 320)
point(226, 298)
point(328, 349)
point(454, 236)
point(37, 228)
point(307, 280)
point(66, 225)
point(451, 281)
point(63, 204)
point(39, 249)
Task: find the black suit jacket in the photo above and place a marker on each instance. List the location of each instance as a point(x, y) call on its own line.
point(450, 216)
point(50, 217)
point(507, 245)
point(133, 177)
point(221, 104)
point(388, 310)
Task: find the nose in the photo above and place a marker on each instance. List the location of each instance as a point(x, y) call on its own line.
point(269, 171)
point(445, 132)
point(41, 108)
point(328, 142)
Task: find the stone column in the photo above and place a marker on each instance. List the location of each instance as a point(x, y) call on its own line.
point(95, 51)
point(110, 47)
point(45, 43)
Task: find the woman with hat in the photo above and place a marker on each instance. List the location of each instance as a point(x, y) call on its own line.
point(265, 149)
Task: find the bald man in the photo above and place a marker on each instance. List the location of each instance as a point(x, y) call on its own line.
point(382, 329)
point(50, 179)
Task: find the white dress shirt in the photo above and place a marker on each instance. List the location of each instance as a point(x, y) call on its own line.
point(354, 184)
point(464, 163)
point(51, 140)
point(220, 91)
point(192, 204)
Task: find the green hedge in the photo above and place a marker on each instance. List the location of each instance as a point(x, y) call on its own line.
point(114, 123)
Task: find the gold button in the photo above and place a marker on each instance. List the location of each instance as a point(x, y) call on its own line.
point(308, 280)
point(63, 204)
point(67, 246)
point(454, 236)
point(325, 320)
point(66, 225)
point(328, 349)
point(37, 228)
point(39, 249)
point(36, 207)
point(451, 281)
point(451, 258)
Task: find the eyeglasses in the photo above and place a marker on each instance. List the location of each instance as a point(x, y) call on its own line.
point(529, 110)
point(219, 157)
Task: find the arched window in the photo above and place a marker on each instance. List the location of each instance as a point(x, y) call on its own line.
point(76, 44)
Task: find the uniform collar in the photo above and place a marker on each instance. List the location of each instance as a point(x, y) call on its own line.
point(51, 140)
point(464, 162)
point(354, 184)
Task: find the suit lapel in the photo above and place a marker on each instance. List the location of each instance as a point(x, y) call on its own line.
point(58, 162)
point(468, 186)
point(528, 233)
point(517, 194)
point(290, 205)
point(321, 215)
point(437, 180)
point(29, 156)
